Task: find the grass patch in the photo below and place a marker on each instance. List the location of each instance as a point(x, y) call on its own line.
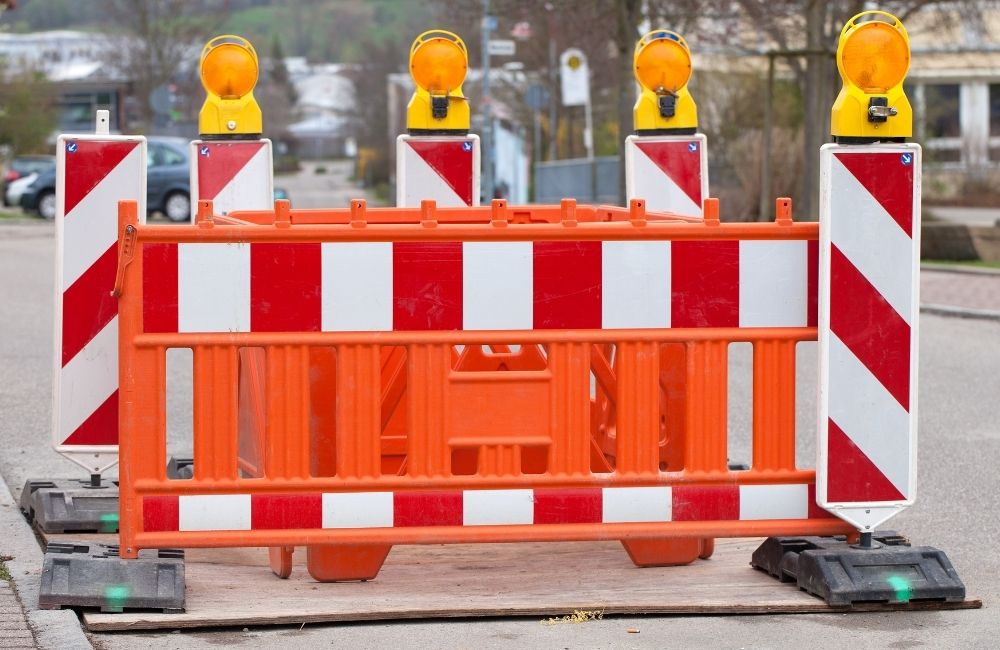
point(4, 572)
point(6, 213)
point(982, 264)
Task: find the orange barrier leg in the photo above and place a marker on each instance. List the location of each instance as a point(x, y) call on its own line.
point(667, 552)
point(638, 374)
point(280, 558)
point(343, 562)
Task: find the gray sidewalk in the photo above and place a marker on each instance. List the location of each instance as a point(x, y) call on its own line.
point(14, 629)
point(960, 291)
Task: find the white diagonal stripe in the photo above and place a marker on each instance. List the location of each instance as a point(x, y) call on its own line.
point(659, 191)
point(91, 227)
point(497, 285)
point(759, 502)
point(774, 278)
point(357, 287)
point(358, 510)
point(635, 284)
point(630, 504)
point(497, 507)
point(88, 379)
point(213, 287)
point(869, 415)
point(419, 182)
point(871, 239)
point(214, 512)
point(251, 188)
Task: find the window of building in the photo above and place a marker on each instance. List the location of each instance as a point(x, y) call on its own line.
point(941, 111)
point(995, 109)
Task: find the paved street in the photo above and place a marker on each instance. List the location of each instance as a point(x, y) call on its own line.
point(957, 507)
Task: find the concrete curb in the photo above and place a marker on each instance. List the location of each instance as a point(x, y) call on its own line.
point(960, 312)
point(54, 629)
point(959, 268)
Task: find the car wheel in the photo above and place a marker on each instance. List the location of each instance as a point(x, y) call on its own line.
point(177, 207)
point(47, 205)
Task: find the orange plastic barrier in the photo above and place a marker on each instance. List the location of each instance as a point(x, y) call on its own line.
point(371, 377)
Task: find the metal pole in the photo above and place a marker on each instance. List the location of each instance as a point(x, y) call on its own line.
point(554, 89)
point(764, 212)
point(488, 149)
point(588, 142)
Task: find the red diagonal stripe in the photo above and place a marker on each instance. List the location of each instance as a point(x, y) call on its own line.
point(812, 283)
point(450, 161)
point(101, 428)
point(86, 167)
point(220, 165)
point(869, 326)
point(87, 305)
point(852, 476)
point(888, 180)
point(680, 164)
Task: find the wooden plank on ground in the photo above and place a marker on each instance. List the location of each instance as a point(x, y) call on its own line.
point(234, 587)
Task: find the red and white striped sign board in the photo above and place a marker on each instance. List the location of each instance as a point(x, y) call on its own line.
point(93, 173)
point(614, 505)
point(670, 173)
point(233, 174)
point(869, 307)
point(444, 169)
point(455, 285)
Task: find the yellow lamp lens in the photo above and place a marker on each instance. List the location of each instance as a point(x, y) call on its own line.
point(663, 65)
point(875, 57)
point(438, 66)
point(229, 71)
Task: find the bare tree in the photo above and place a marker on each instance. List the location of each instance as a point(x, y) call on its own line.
point(156, 39)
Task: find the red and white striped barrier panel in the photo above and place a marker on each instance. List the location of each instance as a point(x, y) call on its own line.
point(444, 169)
point(610, 505)
point(670, 173)
point(93, 173)
point(233, 174)
point(523, 285)
point(869, 306)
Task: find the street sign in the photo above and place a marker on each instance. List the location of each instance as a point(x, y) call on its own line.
point(502, 47)
point(536, 97)
point(575, 77)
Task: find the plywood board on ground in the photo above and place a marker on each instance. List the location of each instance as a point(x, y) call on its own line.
point(234, 587)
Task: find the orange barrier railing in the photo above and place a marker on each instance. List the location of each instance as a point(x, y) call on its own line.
point(371, 377)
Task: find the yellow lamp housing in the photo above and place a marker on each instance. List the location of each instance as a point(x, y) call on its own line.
point(662, 66)
point(439, 62)
point(229, 71)
point(873, 57)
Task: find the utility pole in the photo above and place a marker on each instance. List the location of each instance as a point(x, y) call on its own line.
point(489, 24)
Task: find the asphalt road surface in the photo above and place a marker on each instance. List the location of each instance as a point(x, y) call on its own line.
point(958, 507)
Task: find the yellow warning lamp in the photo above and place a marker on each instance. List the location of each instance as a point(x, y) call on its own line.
point(662, 64)
point(439, 62)
point(873, 57)
point(229, 73)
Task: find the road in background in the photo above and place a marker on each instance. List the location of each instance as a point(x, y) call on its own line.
point(957, 506)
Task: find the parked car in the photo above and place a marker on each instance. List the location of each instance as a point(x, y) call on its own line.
point(167, 183)
point(19, 169)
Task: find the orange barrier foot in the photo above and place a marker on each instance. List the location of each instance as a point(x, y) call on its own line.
point(281, 560)
point(668, 552)
point(343, 562)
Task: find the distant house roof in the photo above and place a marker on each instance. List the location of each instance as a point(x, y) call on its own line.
point(62, 55)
